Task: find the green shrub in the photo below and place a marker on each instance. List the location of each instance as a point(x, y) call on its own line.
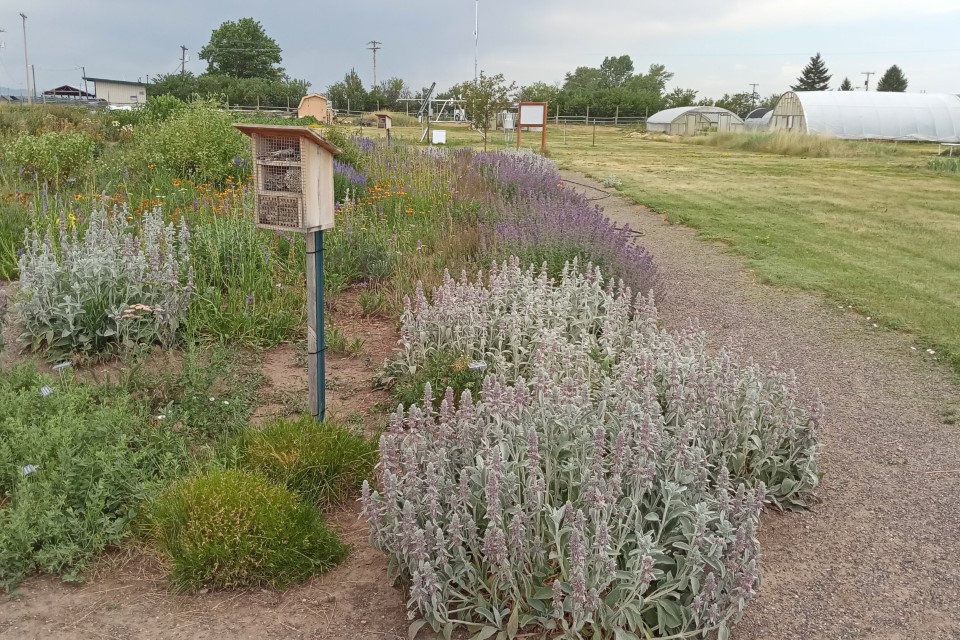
point(52, 157)
point(323, 462)
point(75, 465)
point(350, 152)
point(235, 529)
point(197, 142)
point(160, 108)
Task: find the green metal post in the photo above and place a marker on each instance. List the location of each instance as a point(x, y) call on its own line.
point(321, 331)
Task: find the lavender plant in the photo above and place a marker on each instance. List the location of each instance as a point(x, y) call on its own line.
point(609, 481)
point(545, 221)
point(118, 285)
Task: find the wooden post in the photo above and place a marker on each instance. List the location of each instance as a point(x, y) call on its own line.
point(616, 116)
point(586, 120)
point(594, 133)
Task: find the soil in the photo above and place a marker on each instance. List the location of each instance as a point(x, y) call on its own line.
point(876, 558)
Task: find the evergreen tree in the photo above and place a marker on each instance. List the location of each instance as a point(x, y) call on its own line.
point(814, 77)
point(893, 80)
point(847, 85)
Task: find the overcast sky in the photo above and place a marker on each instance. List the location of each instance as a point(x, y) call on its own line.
point(712, 46)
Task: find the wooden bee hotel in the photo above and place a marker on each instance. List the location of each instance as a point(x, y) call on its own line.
point(293, 174)
point(293, 191)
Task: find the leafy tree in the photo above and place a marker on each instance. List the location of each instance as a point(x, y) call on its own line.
point(539, 92)
point(893, 80)
point(846, 85)
point(245, 91)
point(582, 79)
point(814, 77)
point(740, 103)
point(616, 71)
point(680, 98)
point(242, 49)
point(770, 101)
point(392, 90)
point(484, 99)
point(349, 93)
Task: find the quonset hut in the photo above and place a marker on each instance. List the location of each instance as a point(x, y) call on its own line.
point(876, 115)
point(758, 119)
point(688, 121)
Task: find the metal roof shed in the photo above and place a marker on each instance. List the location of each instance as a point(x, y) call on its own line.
point(876, 115)
point(688, 121)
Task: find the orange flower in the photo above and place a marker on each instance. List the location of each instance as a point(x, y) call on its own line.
point(177, 182)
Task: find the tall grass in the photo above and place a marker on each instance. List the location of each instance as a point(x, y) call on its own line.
point(785, 143)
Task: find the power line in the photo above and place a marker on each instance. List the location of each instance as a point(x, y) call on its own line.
point(374, 46)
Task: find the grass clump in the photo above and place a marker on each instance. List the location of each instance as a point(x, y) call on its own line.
point(230, 528)
point(321, 461)
point(787, 143)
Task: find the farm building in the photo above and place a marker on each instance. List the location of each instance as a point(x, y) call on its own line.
point(876, 115)
point(315, 105)
point(758, 119)
point(119, 92)
point(688, 121)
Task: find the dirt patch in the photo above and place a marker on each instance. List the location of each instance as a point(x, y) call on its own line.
point(351, 397)
point(354, 601)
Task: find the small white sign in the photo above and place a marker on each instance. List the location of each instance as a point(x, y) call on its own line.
point(532, 115)
point(439, 136)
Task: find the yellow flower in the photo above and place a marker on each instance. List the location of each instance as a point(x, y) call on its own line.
point(151, 166)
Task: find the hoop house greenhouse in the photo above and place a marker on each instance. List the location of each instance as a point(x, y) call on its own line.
point(758, 119)
point(861, 115)
point(688, 121)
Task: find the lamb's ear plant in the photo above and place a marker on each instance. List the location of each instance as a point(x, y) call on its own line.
point(118, 285)
point(608, 480)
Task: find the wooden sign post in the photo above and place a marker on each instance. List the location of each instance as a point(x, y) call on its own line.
point(533, 115)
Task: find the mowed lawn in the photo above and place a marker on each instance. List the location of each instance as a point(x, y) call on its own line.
point(878, 231)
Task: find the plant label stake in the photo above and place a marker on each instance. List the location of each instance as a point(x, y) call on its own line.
point(293, 191)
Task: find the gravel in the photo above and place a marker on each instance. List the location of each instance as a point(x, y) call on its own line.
point(878, 556)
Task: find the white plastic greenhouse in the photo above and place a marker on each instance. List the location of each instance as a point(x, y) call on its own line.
point(758, 119)
point(875, 115)
point(688, 121)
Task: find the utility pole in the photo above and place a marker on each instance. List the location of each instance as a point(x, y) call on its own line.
point(26, 60)
point(866, 84)
point(374, 46)
point(476, 37)
point(183, 59)
point(753, 94)
point(85, 89)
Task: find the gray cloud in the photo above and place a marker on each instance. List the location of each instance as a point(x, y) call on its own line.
point(712, 46)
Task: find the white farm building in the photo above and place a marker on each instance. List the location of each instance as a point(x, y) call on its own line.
point(875, 115)
point(119, 92)
point(688, 121)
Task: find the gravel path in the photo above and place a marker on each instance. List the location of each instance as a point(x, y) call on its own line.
point(879, 557)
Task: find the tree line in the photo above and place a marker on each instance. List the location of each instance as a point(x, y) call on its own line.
point(243, 67)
